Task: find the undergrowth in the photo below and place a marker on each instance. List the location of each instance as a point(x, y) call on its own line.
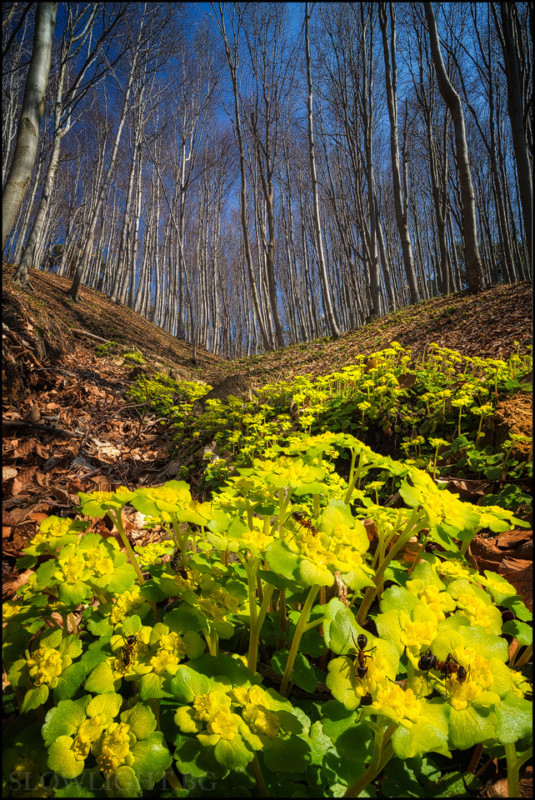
point(297, 634)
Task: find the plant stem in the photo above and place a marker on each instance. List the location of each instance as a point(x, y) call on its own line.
point(128, 547)
point(173, 781)
point(282, 618)
point(513, 785)
point(382, 754)
point(254, 636)
point(371, 591)
point(259, 778)
point(354, 476)
point(299, 631)
point(525, 657)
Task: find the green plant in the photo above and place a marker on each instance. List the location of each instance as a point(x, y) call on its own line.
point(106, 348)
point(135, 357)
point(132, 673)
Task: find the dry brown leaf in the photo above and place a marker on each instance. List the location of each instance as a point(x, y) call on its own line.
point(13, 586)
point(521, 577)
point(511, 539)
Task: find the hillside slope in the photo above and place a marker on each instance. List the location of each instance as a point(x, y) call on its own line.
point(69, 427)
point(487, 325)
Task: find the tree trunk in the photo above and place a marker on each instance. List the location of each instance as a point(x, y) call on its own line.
point(33, 106)
point(515, 108)
point(453, 101)
point(327, 302)
point(401, 209)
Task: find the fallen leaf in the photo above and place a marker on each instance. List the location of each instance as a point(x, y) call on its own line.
point(519, 573)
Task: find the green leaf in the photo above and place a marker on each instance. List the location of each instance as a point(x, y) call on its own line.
point(303, 673)
point(428, 734)
point(188, 683)
point(471, 726)
point(194, 759)
point(336, 719)
point(150, 687)
point(341, 682)
point(518, 608)
point(64, 718)
point(101, 680)
point(292, 754)
point(46, 573)
point(122, 580)
point(233, 754)
point(185, 618)
point(125, 783)
point(397, 597)
point(340, 629)
point(514, 718)
point(520, 630)
point(107, 704)
point(320, 744)
point(61, 758)
point(74, 789)
point(51, 639)
point(99, 627)
point(141, 720)
point(72, 594)
point(35, 698)
point(275, 580)
point(70, 681)
point(347, 763)
point(152, 758)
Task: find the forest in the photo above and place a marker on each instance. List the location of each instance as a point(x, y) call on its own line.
point(267, 400)
point(252, 175)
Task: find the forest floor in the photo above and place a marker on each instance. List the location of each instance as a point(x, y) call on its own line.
point(68, 426)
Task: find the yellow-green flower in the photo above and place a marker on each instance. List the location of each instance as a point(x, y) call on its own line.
point(45, 665)
point(164, 661)
point(72, 568)
point(206, 705)
point(401, 706)
point(125, 603)
point(477, 611)
point(419, 632)
point(115, 748)
point(98, 561)
point(261, 721)
point(10, 609)
point(521, 686)
point(224, 724)
point(440, 603)
point(452, 570)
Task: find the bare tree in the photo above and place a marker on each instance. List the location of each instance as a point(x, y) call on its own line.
point(33, 105)
point(453, 101)
point(78, 36)
point(518, 109)
point(326, 294)
point(233, 63)
point(401, 205)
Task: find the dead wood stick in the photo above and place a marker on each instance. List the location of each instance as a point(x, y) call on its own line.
point(21, 423)
point(91, 335)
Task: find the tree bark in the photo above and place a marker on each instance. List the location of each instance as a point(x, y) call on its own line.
point(33, 106)
point(327, 302)
point(515, 109)
point(389, 51)
point(474, 267)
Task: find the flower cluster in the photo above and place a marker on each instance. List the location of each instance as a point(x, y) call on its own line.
point(45, 665)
